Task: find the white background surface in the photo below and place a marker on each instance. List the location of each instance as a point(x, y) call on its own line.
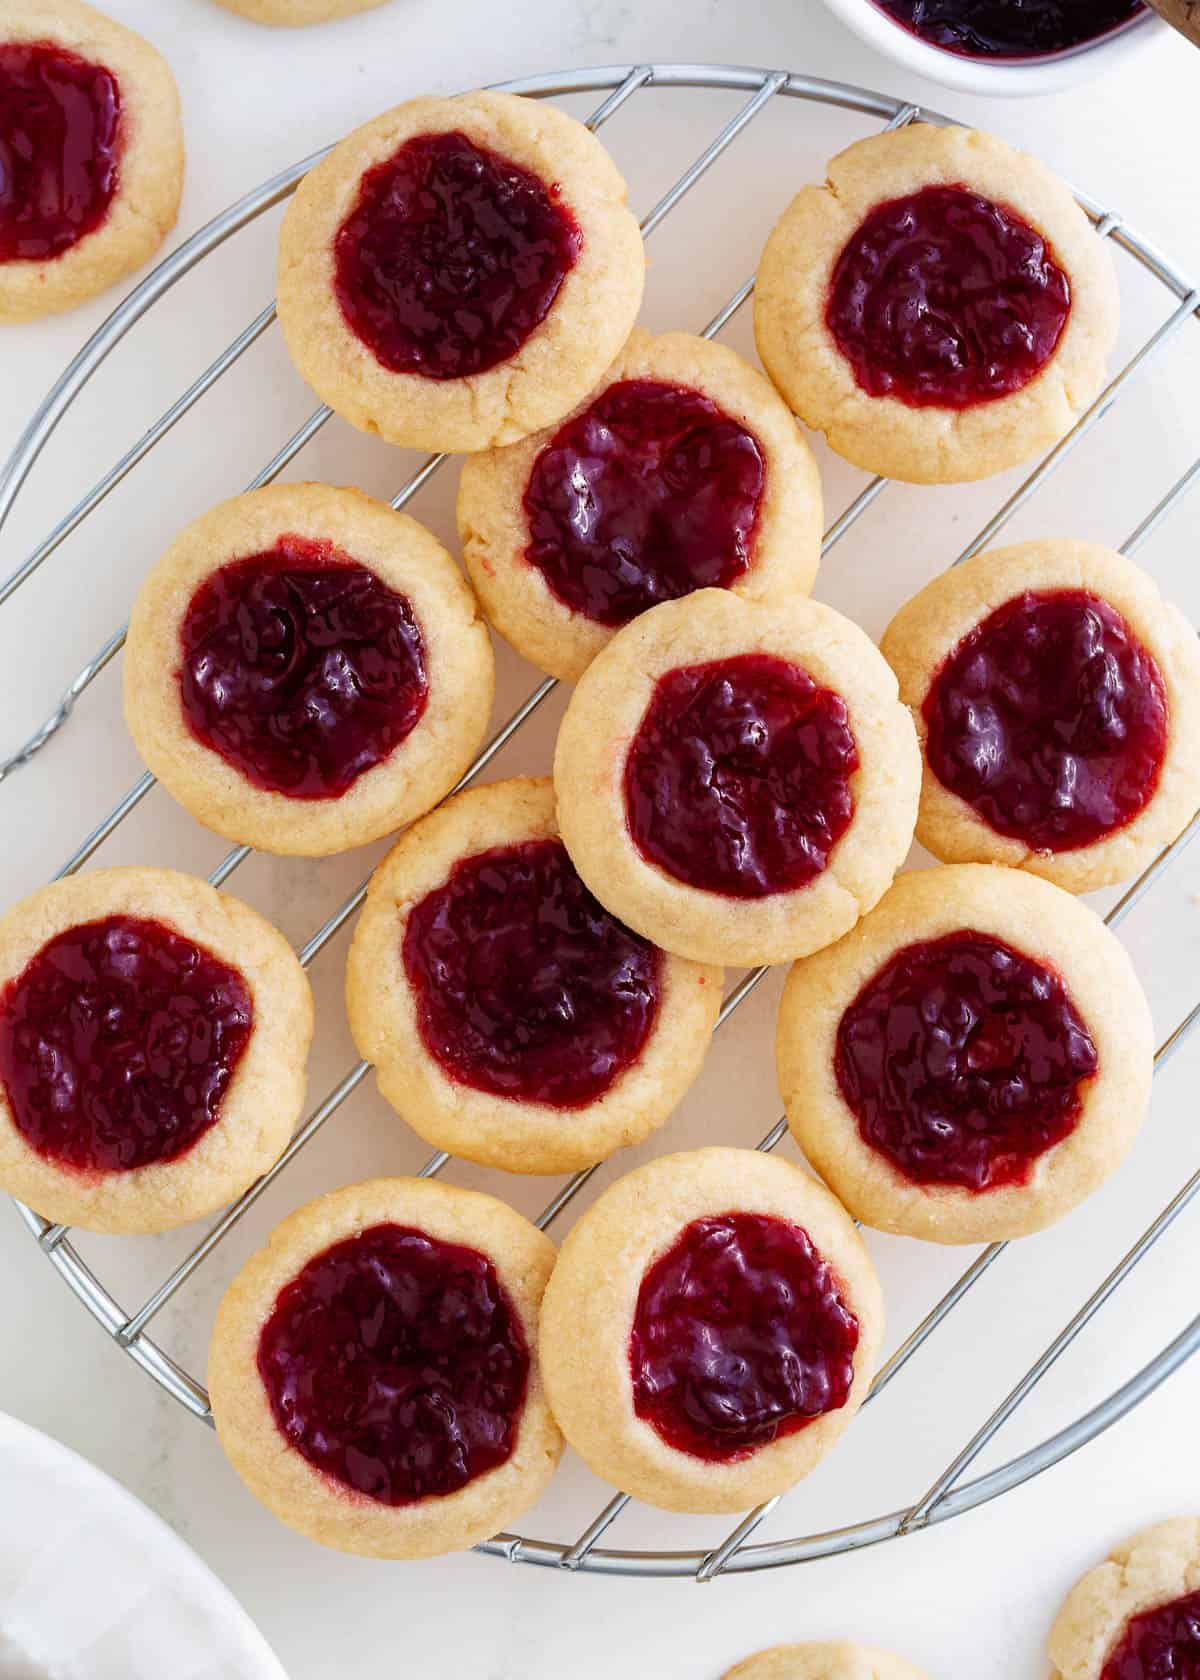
point(970, 1599)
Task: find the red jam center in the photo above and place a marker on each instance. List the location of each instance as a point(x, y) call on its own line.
point(118, 1042)
point(301, 668)
point(1160, 1644)
point(738, 779)
point(1050, 719)
point(740, 1336)
point(1002, 29)
point(962, 1062)
point(526, 987)
point(396, 1364)
point(60, 122)
point(648, 494)
point(451, 257)
point(944, 299)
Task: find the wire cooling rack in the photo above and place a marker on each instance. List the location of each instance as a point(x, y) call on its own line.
point(948, 1495)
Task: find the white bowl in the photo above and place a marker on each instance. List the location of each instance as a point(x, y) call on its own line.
point(93, 1586)
point(995, 76)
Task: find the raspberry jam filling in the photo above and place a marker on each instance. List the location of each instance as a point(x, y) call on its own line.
point(945, 299)
point(60, 144)
point(1000, 29)
point(738, 779)
point(118, 1041)
point(396, 1364)
point(526, 987)
point(301, 668)
point(451, 257)
point(1050, 720)
point(962, 1061)
point(648, 494)
point(1160, 1644)
point(740, 1336)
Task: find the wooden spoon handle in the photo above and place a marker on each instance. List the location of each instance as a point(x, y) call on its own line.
point(1183, 15)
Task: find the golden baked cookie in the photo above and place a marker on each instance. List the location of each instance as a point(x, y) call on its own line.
point(941, 308)
point(711, 1327)
point(459, 272)
point(737, 779)
point(683, 469)
point(293, 14)
point(92, 145)
point(510, 1018)
point(153, 1040)
point(834, 1659)
point(374, 1371)
point(306, 670)
point(1057, 700)
point(971, 1061)
point(1138, 1613)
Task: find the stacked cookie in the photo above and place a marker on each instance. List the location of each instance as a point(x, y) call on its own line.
point(964, 1051)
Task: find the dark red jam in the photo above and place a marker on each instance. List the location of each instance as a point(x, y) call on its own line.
point(60, 144)
point(962, 1061)
point(738, 779)
point(1050, 719)
point(740, 1336)
point(396, 1364)
point(451, 257)
point(526, 987)
point(301, 668)
point(1160, 1644)
point(648, 494)
point(1009, 28)
point(944, 299)
point(118, 1042)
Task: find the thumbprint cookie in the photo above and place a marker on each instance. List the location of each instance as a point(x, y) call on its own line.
point(1057, 700)
point(305, 669)
point(153, 1040)
point(683, 470)
point(971, 1061)
point(510, 1017)
point(91, 154)
point(736, 778)
point(940, 308)
point(374, 1371)
point(293, 14)
point(837, 1659)
point(711, 1327)
point(1136, 1616)
point(459, 272)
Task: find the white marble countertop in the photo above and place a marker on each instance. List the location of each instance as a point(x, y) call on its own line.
point(972, 1597)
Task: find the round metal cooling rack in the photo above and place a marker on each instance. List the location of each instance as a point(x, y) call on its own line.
point(949, 1495)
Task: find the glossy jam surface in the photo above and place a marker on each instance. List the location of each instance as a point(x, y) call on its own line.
point(451, 257)
point(396, 1364)
point(1050, 720)
point(945, 299)
point(963, 1061)
point(1009, 28)
point(738, 779)
point(648, 494)
point(60, 145)
point(740, 1336)
point(1160, 1644)
point(118, 1042)
point(526, 987)
point(301, 668)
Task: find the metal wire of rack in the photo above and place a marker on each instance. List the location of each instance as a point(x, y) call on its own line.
point(948, 1495)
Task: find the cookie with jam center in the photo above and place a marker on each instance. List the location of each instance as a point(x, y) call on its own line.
point(92, 143)
point(940, 308)
point(459, 272)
